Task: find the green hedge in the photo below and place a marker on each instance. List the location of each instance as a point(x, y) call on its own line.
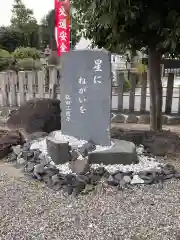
point(26, 52)
point(5, 60)
point(28, 64)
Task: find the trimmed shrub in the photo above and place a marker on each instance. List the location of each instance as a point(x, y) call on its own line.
point(28, 64)
point(26, 52)
point(5, 60)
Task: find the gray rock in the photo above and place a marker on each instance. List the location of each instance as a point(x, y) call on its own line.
point(12, 157)
point(79, 166)
point(173, 120)
point(30, 167)
point(47, 180)
point(37, 154)
point(21, 161)
point(37, 115)
point(137, 180)
point(127, 179)
point(44, 159)
point(144, 119)
point(177, 175)
point(58, 151)
point(39, 168)
point(164, 119)
point(168, 169)
point(122, 152)
point(118, 176)
point(87, 147)
point(11, 112)
point(83, 178)
point(68, 189)
point(55, 179)
point(94, 178)
point(36, 136)
point(119, 118)
point(51, 171)
point(122, 183)
point(80, 188)
point(132, 118)
point(26, 146)
point(111, 181)
point(148, 176)
point(74, 155)
point(102, 172)
point(17, 149)
point(88, 188)
point(27, 155)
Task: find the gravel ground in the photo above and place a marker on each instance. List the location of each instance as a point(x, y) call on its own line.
point(28, 210)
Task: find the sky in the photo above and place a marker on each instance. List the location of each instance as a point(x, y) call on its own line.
point(40, 8)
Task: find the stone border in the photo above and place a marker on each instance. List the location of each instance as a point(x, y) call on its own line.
point(143, 119)
point(115, 118)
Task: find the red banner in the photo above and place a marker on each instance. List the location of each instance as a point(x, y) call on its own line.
point(62, 28)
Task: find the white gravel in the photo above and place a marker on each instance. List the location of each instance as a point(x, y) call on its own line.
point(145, 163)
point(28, 210)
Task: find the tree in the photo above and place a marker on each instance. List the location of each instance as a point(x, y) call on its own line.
point(135, 25)
point(23, 20)
point(48, 26)
point(10, 38)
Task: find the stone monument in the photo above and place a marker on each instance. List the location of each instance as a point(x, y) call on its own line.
point(86, 95)
point(86, 105)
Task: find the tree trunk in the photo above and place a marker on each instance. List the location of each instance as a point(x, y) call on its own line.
point(155, 85)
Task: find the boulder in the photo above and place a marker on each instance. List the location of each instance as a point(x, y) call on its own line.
point(58, 151)
point(8, 140)
point(132, 118)
point(119, 118)
point(122, 152)
point(37, 115)
point(144, 119)
point(79, 166)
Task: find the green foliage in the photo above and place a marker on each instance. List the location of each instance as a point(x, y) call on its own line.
point(127, 85)
point(24, 21)
point(135, 24)
point(48, 25)
point(26, 52)
point(11, 38)
point(28, 64)
point(21, 15)
point(5, 60)
point(141, 68)
point(4, 54)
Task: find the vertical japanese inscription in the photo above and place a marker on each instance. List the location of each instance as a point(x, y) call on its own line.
point(98, 64)
point(62, 35)
point(68, 107)
point(62, 30)
point(82, 97)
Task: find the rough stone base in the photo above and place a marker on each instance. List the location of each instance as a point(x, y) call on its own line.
point(58, 151)
point(123, 152)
